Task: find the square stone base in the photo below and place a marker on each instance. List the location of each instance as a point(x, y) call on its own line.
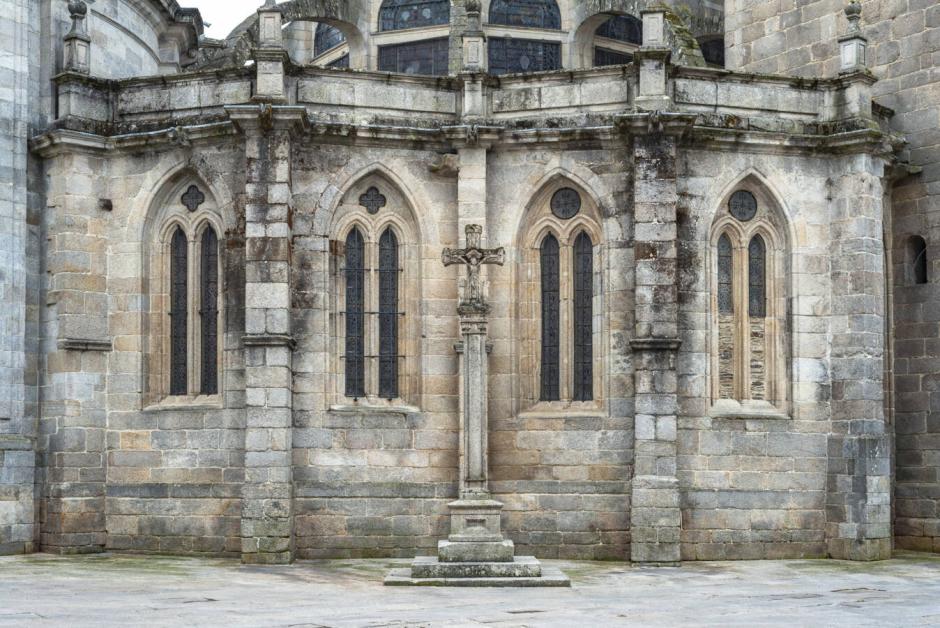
point(478, 574)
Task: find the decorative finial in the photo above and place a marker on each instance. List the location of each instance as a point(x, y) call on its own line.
point(473, 6)
point(78, 10)
point(269, 4)
point(853, 11)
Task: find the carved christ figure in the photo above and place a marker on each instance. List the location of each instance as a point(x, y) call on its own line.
point(473, 257)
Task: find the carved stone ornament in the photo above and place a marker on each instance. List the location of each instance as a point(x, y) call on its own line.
point(743, 205)
point(372, 200)
point(192, 198)
point(566, 203)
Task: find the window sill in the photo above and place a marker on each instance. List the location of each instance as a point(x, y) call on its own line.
point(727, 409)
point(373, 407)
point(176, 404)
point(563, 410)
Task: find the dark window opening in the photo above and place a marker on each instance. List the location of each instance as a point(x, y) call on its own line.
point(714, 52)
point(757, 278)
point(603, 56)
point(355, 315)
point(388, 315)
point(326, 38)
point(583, 318)
point(209, 312)
point(917, 251)
point(179, 350)
point(725, 275)
point(508, 56)
point(428, 57)
point(342, 62)
point(550, 389)
point(622, 28)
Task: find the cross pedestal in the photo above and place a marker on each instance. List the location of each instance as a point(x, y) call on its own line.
point(475, 553)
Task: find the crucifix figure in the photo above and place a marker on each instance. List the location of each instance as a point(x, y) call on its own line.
point(473, 257)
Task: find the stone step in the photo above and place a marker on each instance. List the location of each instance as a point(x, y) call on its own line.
point(431, 567)
point(551, 577)
point(476, 552)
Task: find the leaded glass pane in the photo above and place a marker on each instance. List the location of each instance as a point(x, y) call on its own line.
point(508, 56)
point(388, 315)
point(622, 28)
point(209, 312)
point(757, 280)
point(179, 270)
point(399, 14)
point(550, 320)
point(355, 315)
point(429, 57)
point(603, 56)
point(725, 276)
point(528, 13)
point(583, 319)
point(326, 38)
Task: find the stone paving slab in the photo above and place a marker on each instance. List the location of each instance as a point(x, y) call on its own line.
point(121, 590)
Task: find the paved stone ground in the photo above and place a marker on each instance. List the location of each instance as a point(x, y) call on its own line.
point(125, 590)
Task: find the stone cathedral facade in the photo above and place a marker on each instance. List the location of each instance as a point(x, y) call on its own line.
point(226, 328)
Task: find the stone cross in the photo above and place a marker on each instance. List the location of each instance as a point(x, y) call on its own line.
point(474, 257)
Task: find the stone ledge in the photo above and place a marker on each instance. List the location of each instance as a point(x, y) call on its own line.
point(84, 344)
point(655, 344)
point(269, 340)
point(551, 577)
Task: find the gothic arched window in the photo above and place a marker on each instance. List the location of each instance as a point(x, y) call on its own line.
point(526, 13)
point(550, 319)
point(355, 315)
point(326, 38)
point(917, 260)
point(749, 346)
point(193, 274)
point(400, 14)
point(559, 298)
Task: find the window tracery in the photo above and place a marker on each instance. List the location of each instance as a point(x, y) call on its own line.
point(748, 313)
point(510, 55)
point(326, 38)
point(429, 57)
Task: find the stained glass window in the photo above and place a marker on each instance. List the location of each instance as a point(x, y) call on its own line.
point(918, 256)
point(388, 315)
point(622, 28)
point(603, 56)
point(399, 14)
point(583, 318)
point(509, 56)
point(179, 269)
point(527, 13)
point(757, 278)
point(725, 275)
point(326, 38)
point(355, 315)
point(428, 57)
point(209, 312)
point(550, 320)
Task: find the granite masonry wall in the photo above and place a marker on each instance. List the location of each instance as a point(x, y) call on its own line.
point(904, 53)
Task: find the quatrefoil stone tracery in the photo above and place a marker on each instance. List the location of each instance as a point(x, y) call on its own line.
point(193, 198)
point(372, 200)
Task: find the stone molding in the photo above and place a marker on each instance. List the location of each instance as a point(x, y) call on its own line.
point(269, 340)
point(655, 344)
point(84, 344)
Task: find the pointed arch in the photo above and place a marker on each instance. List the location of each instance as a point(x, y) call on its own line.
point(750, 285)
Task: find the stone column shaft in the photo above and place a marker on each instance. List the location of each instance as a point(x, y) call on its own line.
point(267, 509)
point(655, 515)
point(473, 412)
